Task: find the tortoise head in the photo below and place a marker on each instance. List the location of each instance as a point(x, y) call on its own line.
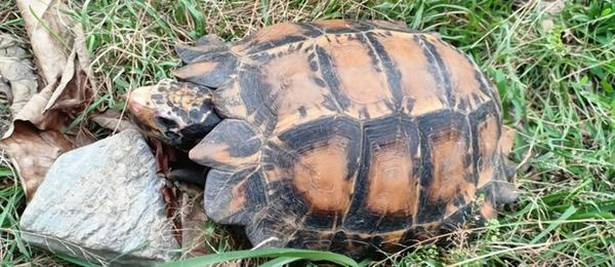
point(177, 113)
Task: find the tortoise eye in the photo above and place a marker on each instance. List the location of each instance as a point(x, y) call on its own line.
point(165, 122)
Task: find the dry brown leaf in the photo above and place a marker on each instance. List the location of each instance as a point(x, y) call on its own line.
point(193, 217)
point(552, 6)
point(16, 69)
point(508, 139)
point(57, 42)
point(33, 152)
point(113, 120)
point(32, 111)
point(44, 19)
point(164, 155)
point(35, 139)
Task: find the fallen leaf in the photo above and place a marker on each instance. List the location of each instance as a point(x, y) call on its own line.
point(32, 152)
point(16, 69)
point(170, 195)
point(112, 120)
point(193, 218)
point(164, 155)
point(5, 101)
point(508, 139)
point(58, 45)
point(47, 29)
point(552, 7)
point(37, 135)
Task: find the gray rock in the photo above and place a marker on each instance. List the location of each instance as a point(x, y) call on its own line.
point(102, 202)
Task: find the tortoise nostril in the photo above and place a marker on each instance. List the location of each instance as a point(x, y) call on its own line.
point(166, 123)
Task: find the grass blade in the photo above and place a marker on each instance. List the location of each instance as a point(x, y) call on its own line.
point(569, 212)
point(76, 261)
point(279, 262)
point(287, 253)
point(5, 172)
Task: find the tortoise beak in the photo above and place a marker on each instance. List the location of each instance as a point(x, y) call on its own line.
point(140, 105)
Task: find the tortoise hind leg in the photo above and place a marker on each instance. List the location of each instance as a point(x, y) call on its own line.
point(270, 227)
point(501, 190)
point(234, 197)
point(274, 226)
point(504, 188)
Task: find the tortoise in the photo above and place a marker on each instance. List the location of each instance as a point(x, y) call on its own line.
point(349, 136)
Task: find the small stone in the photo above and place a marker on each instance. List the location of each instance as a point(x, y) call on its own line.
point(91, 205)
point(547, 24)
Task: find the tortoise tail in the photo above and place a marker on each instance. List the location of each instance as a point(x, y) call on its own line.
point(210, 63)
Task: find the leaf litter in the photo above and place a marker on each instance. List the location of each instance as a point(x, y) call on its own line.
point(38, 133)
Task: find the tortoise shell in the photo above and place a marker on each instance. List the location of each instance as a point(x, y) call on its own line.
point(340, 135)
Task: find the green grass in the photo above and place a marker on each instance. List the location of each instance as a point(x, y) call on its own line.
point(555, 74)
